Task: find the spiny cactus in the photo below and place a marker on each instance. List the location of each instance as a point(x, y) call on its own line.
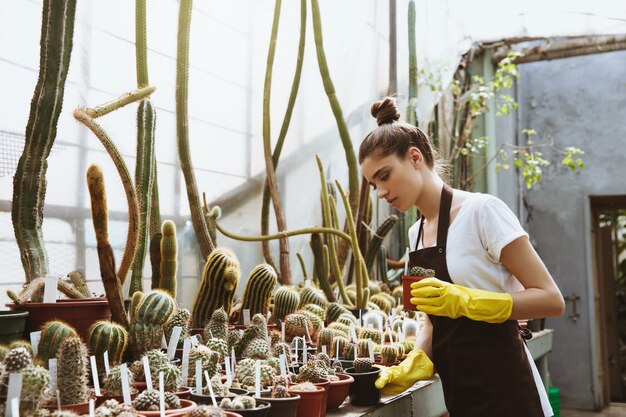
point(311, 295)
point(217, 289)
point(240, 402)
point(3, 352)
point(169, 253)
point(280, 391)
point(296, 325)
point(16, 360)
point(35, 380)
point(218, 345)
point(376, 241)
point(206, 411)
point(21, 343)
point(348, 351)
point(72, 371)
point(362, 365)
point(181, 318)
point(258, 292)
point(208, 358)
point(156, 360)
point(259, 320)
point(311, 373)
point(106, 336)
point(281, 349)
point(381, 301)
point(29, 181)
point(245, 369)
point(304, 386)
point(218, 325)
point(334, 310)
point(112, 383)
point(134, 305)
point(388, 354)
point(315, 309)
point(172, 377)
point(340, 327)
point(52, 335)
point(154, 310)
point(374, 334)
point(418, 271)
point(286, 301)
point(362, 348)
point(347, 319)
point(325, 338)
point(250, 334)
point(257, 349)
point(148, 400)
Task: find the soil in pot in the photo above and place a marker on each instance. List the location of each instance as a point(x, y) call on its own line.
point(363, 391)
point(282, 407)
point(338, 391)
point(12, 324)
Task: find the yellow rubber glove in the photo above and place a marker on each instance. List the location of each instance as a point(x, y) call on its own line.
point(440, 298)
point(396, 379)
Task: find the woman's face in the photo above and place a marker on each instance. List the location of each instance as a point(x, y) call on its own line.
point(397, 180)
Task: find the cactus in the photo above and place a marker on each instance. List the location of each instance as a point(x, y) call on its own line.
point(382, 302)
point(362, 365)
point(4, 350)
point(206, 411)
point(16, 360)
point(154, 310)
point(348, 351)
point(418, 271)
point(218, 325)
point(258, 320)
point(286, 301)
point(169, 253)
point(280, 391)
point(148, 400)
point(311, 295)
point(311, 373)
point(218, 345)
point(258, 292)
point(305, 386)
point(155, 260)
point(334, 310)
point(374, 334)
point(346, 319)
point(315, 309)
point(296, 325)
point(315, 320)
point(107, 336)
point(21, 343)
point(338, 342)
point(362, 348)
point(112, 384)
point(343, 328)
point(281, 349)
point(257, 349)
point(99, 215)
point(219, 282)
point(52, 335)
point(388, 354)
point(181, 318)
point(35, 380)
point(29, 181)
point(172, 377)
point(134, 304)
point(251, 333)
point(376, 242)
point(72, 377)
point(325, 338)
point(208, 358)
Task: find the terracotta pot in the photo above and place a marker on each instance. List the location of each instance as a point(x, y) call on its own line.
point(262, 409)
point(119, 398)
point(140, 385)
point(310, 404)
point(12, 325)
point(80, 314)
point(185, 407)
point(183, 393)
point(362, 390)
point(407, 280)
point(282, 407)
point(80, 409)
point(338, 391)
point(206, 398)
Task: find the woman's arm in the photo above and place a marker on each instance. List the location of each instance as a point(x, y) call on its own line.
point(541, 297)
point(424, 339)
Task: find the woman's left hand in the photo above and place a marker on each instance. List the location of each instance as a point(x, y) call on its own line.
point(440, 298)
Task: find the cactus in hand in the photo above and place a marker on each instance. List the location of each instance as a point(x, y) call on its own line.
point(106, 336)
point(219, 282)
point(286, 301)
point(29, 181)
point(52, 335)
point(258, 292)
point(72, 371)
point(169, 253)
point(418, 271)
point(362, 365)
point(154, 310)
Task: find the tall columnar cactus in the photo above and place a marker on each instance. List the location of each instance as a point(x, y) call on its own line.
point(72, 372)
point(52, 335)
point(374, 244)
point(286, 301)
point(144, 184)
point(169, 253)
point(259, 288)
point(154, 310)
point(155, 259)
point(217, 289)
point(100, 218)
point(29, 182)
point(411, 111)
point(107, 336)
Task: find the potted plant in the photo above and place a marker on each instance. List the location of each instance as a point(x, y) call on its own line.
point(417, 273)
point(363, 391)
point(112, 386)
point(246, 406)
point(310, 403)
point(220, 391)
point(283, 402)
point(12, 324)
point(147, 403)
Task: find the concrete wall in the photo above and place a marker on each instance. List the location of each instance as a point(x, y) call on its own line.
point(578, 102)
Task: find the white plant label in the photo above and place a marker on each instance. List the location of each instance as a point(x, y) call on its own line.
point(353, 334)
point(257, 378)
point(14, 409)
point(171, 348)
point(161, 395)
point(185, 370)
point(34, 341)
point(163, 341)
point(52, 368)
point(307, 283)
point(194, 340)
point(94, 375)
point(50, 289)
point(92, 408)
point(324, 349)
point(282, 363)
point(282, 331)
point(208, 381)
point(305, 354)
point(146, 371)
point(406, 262)
point(199, 377)
point(125, 383)
point(14, 392)
point(246, 317)
point(337, 350)
point(105, 359)
point(370, 348)
point(229, 375)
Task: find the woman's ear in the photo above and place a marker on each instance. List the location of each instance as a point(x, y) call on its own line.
point(415, 156)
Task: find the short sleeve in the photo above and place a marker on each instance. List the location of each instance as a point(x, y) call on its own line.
point(499, 227)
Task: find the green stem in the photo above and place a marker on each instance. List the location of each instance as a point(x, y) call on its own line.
point(281, 235)
point(116, 104)
point(141, 43)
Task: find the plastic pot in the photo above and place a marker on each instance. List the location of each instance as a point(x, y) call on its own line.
point(262, 410)
point(206, 398)
point(363, 391)
point(338, 391)
point(282, 407)
point(12, 324)
point(407, 280)
point(310, 404)
point(185, 407)
point(119, 398)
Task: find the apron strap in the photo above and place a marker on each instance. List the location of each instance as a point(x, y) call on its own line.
point(444, 218)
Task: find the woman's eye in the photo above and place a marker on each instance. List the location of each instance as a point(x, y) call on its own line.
point(384, 177)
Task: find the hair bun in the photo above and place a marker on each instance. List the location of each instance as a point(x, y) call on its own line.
point(385, 111)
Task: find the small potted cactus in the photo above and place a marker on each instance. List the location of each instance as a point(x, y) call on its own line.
point(147, 403)
point(417, 273)
point(209, 411)
point(284, 403)
point(112, 386)
point(310, 403)
point(246, 406)
point(363, 391)
point(220, 391)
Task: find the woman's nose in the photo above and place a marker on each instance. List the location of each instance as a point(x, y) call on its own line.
point(382, 192)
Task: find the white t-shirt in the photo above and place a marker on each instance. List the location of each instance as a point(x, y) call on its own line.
point(483, 226)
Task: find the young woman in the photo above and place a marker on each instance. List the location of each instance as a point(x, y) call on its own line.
point(488, 276)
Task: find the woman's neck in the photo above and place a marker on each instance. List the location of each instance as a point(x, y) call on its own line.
point(430, 197)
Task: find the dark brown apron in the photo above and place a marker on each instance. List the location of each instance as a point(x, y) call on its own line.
point(483, 367)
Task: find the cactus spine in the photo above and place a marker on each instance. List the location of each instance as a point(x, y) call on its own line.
point(259, 288)
point(286, 301)
point(52, 335)
point(219, 282)
point(106, 336)
point(29, 182)
point(169, 253)
point(72, 372)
